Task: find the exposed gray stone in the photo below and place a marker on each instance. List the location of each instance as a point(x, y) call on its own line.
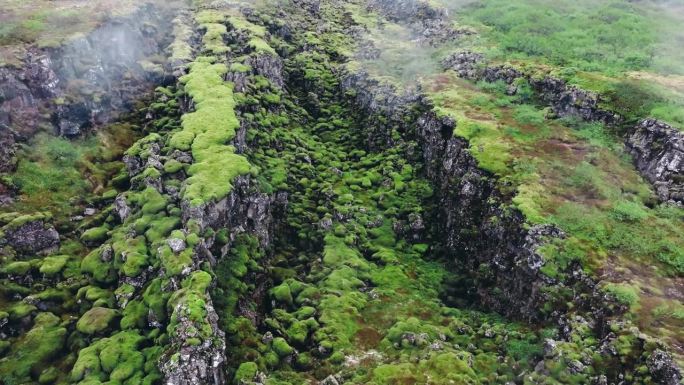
point(658, 152)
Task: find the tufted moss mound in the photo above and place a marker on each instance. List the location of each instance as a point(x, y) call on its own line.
point(118, 359)
point(96, 320)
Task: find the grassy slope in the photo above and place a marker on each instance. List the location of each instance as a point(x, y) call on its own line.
point(616, 47)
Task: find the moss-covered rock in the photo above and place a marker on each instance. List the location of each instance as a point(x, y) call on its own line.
point(246, 373)
point(96, 320)
point(281, 347)
point(52, 266)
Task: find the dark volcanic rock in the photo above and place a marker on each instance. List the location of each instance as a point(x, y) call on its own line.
point(570, 101)
point(32, 237)
point(6, 149)
point(565, 100)
point(196, 364)
point(663, 369)
point(431, 24)
point(268, 66)
point(466, 63)
point(658, 151)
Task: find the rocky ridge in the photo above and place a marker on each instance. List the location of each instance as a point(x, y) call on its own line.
point(571, 101)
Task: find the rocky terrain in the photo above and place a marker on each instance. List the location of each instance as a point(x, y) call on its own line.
point(242, 193)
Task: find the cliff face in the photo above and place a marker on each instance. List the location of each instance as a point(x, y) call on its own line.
point(658, 152)
point(86, 83)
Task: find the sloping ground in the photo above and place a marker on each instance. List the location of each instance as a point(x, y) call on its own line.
point(293, 215)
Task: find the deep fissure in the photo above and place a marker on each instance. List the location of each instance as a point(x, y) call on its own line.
point(291, 218)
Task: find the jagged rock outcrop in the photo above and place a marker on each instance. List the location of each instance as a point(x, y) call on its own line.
point(196, 364)
point(571, 101)
point(664, 370)
point(466, 63)
point(565, 100)
point(6, 149)
point(658, 152)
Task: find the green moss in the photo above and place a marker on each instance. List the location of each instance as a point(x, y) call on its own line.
point(17, 268)
point(95, 235)
point(260, 45)
point(298, 332)
point(625, 293)
point(281, 347)
point(172, 166)
point(134, 316)
point(96, 320)
point(20, 310)
point(150, 201)
point(117, 358)
point(282, 294)
point(175, 264)
point(188, 306)
point(209, 128)
point(239, 67)
point(52, 266)
point(34, 351)
point(246, 372)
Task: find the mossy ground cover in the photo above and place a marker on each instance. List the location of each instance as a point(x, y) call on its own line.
point(347, 288)
point(62, 176)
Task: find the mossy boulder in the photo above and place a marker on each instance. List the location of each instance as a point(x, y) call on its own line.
point(282, 294)
point(281, 347)
point(52, 266)
point(17, 268)
point(246, 373)
point(96, 235)
point(96, 320)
